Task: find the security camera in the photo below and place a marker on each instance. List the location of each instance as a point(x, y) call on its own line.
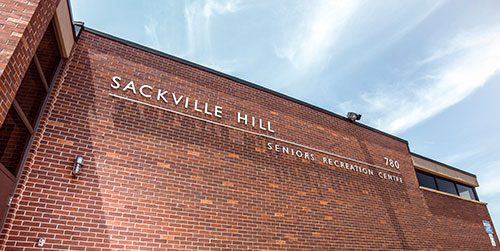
point(353, 116)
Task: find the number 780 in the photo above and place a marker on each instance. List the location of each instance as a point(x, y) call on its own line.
point(392, 163)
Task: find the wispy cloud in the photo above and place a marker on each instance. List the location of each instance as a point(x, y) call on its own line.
point(489, 179)
point(226, 65)
point(150, 28)
point(461, 156)
point(398, 30)
point(447, 76)
point(198, 15)
point(316, 33)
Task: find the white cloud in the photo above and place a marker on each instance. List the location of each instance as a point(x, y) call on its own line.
point(400, 28)
point(226, 66)
point(316, 33)
point(218, 7)
point(150, 29)
point(198, 15)
point(458, 69)
point(461, 156)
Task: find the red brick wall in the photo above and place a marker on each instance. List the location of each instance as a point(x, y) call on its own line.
point(22, 25)
point(12, 226)
point(455, 220)
point(154, 179)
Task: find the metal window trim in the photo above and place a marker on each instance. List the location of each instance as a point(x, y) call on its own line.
point(27, 147)
point(38, 120)
point(447, 180)
point(22, 116)
point(456, 188)
point(475, 193)
point(472, 189)
point(6, 171)
point(418, 172)
point(40, 72)
point(455, 184)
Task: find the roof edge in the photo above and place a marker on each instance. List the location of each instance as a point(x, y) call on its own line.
point(443, 164)
point(71, 18)
point(239, 80)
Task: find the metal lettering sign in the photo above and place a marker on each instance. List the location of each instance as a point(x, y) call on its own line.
point(212, 113)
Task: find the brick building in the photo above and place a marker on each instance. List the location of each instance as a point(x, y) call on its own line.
point(178, 156)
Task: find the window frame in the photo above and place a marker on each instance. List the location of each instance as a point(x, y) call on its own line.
point(417, 173)
point(453, 184)
point(48, 86)
point(435, 177)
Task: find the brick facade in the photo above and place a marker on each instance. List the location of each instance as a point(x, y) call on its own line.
point(164, 172)
point(159, 176)
point(22, 25)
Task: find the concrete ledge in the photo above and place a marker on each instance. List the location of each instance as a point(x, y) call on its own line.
point(441, 170)
point(452, 195)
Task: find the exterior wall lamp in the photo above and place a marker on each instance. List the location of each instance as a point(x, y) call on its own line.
point(77, 167)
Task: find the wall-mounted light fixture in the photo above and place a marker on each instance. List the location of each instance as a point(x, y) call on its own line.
point(353, 116)
point(77, 167)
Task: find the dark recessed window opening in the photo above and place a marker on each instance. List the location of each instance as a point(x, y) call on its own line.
point(466, 192)
point(48, 54)
point(426, 180)
point(444, 185)
point(21, 119)
point(13, 137)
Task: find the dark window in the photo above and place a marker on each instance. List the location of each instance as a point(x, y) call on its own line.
point(13, 137)
point(48, 54)
point(426, 180)
point(20, 122)
point(31, 94)
point(466, 192)
point(446, 186)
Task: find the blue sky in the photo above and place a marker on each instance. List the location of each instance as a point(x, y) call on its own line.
point(425, 71)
